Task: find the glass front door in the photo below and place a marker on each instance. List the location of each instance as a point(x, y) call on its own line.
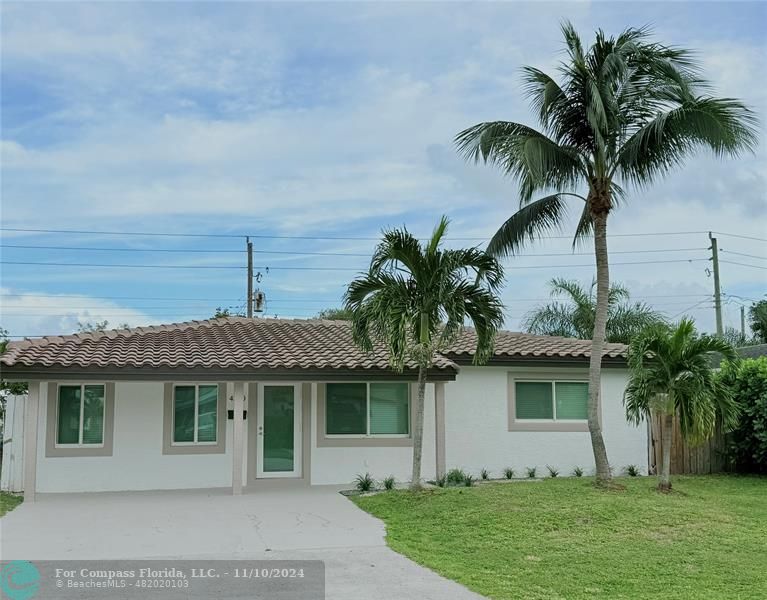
point(279, 431)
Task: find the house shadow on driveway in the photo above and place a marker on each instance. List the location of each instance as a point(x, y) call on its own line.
point(280, 523)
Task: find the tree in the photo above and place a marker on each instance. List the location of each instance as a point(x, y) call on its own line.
point(747, 444)
point(222, 313)
point(671, 374)
point(415, 299)
point(738, 339)
point(625, 111)
point(575, 317)
point(335, 314)
point(89, 327)
point(757, 317)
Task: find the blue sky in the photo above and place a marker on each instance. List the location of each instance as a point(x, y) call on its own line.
point(322, 119)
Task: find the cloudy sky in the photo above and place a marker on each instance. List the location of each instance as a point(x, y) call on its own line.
point(310, 126)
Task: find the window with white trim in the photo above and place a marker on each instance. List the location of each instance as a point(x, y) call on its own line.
point(195, 414)
point(80, 415)
point(367, 409)
point(551, 400)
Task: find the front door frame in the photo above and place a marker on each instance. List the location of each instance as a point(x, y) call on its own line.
point(308, 391)
point(297, 433)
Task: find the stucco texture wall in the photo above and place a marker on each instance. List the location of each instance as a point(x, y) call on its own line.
point(477, 434)
point(137, 462)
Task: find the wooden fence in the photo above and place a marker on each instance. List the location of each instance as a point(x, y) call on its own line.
point(706, 458)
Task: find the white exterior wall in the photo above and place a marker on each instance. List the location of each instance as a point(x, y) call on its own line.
point(137, 462)
point(342, 465)
point(477, 435)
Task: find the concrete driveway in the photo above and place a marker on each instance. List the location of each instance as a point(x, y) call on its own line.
point(282, 523)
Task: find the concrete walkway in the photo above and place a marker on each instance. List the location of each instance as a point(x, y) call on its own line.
point(282, 523)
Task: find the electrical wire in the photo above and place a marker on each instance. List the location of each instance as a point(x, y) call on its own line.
point(283, 268)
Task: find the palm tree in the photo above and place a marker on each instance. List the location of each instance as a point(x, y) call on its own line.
point(415, 299)
point(575, 318)
point(624, 111)
point(672, 375)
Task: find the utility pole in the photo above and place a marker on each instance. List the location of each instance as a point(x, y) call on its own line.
point(249, 300)
point(717, 289)
point(743, 321)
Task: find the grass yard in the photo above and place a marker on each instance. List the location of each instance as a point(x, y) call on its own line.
point(8, 502)
point(561, 538)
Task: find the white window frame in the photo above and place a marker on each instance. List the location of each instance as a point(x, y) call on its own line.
point(194, 442)
point(82, 385)
point(553, 383)
point(369, 435)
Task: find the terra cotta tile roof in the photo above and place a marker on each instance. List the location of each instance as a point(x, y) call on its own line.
point(241, 343)
point(512, 344)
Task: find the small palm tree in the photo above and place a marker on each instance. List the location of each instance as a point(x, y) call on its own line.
point(575, 318)
point(625, 111)
point(415, 299)
point(671, 375)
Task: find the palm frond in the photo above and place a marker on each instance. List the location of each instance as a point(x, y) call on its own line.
point(674, 362)
point(725, 126)
point(527, 224)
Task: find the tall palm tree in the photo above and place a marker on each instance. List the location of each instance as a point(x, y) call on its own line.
point(575, 317)
point(624, 111)
point(415, 299)
point(672, 375)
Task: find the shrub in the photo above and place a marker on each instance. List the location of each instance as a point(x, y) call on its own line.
point(484, 474)
point(468, 481)
point(578, 472)
point(388, 482)
point(746, 446)
point(508, 473)
point(364, 483)
point(456, 476)
point(441, 481)
point(632, 471)
point(552, 471)
point(530, 472)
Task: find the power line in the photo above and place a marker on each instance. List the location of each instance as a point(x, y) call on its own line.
point(694, 306)
point(730, 262)
point(301, 237)
point(283, 268)
point(744, 237)
point(175, 298)
point(300, 253)
point(746, 255)
point(112, 249)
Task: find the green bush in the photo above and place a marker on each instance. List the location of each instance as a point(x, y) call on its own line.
point(747, 444)
point(508, 473)
point(456, 476)
point(364, 483)
point(389, 482)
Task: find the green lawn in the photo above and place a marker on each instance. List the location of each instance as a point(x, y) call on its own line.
point(562, 538)
point(8, 502)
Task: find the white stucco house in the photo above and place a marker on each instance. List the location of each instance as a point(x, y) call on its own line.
point(243, 402)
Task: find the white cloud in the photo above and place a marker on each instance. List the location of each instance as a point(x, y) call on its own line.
point(33, 314)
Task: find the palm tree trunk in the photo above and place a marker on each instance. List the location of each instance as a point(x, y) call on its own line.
point(597, 347)
point(664, 485)
point(415, 479)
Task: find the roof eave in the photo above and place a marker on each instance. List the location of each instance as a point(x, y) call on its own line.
point(524, 361)
point(71, 373)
